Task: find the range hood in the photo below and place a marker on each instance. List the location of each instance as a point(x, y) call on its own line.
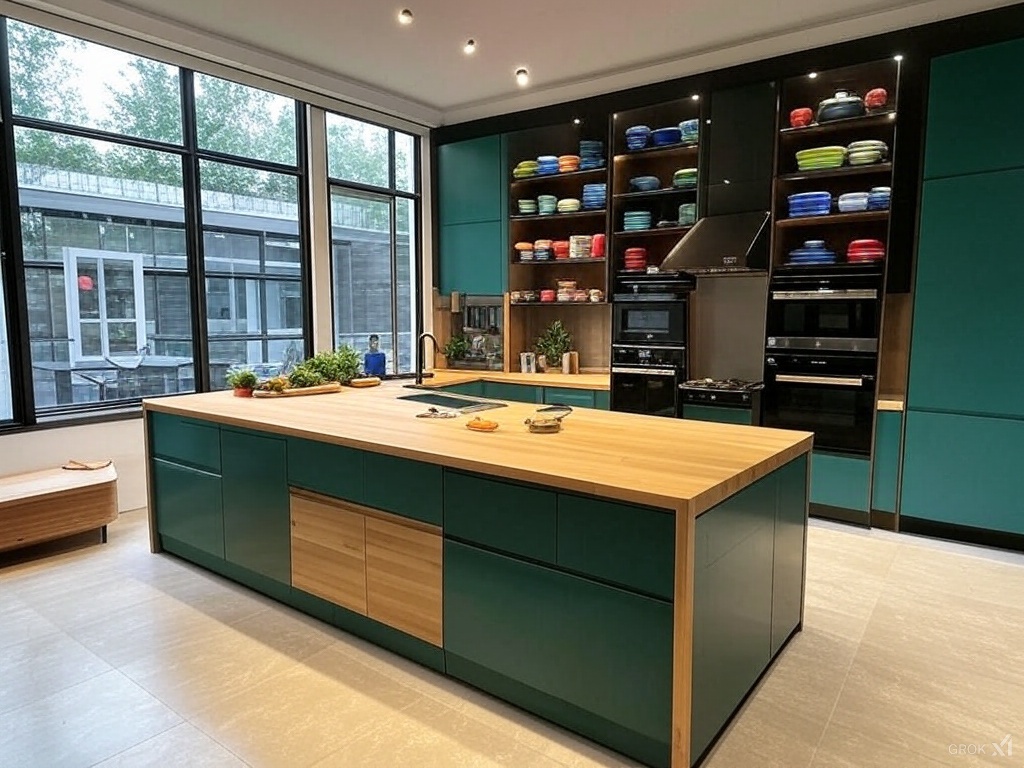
point(720, 245)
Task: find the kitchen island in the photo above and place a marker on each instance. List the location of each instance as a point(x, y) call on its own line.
point(629, 578)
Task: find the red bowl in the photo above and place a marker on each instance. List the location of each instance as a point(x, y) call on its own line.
point(869, 244)
point(801, 117)
point(640, 252)
point(875, 98)
point(547, 295)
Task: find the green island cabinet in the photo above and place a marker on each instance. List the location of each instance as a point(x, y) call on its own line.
point(525, 393)
point(473, 215)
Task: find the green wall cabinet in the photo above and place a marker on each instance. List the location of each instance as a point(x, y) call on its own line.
point(718, 415)
point(840, 481)
point(472, 259)
point(188, 506)
point(257, 527)
point(885, 473)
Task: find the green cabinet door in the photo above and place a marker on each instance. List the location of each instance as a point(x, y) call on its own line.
point(975, 87)
point(840, 481)
point(718, 415)
point(403, 487)
point(577, 398)
point(470, 178)
point(604, 653)
point(473, 258)
point(788, 558)
point(472, 388)
point(886, 461)
point(185, 441)
point(517, 393)
point(188, 506)
point(967, 332)
point(333, 470)
point(603, 399)
point(257, 527)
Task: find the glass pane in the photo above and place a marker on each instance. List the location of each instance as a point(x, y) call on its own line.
point(405, 245)
point(67, 80)
point(79, 196)
point(357, 151)
point(6, 403)
point(284, 307)
point(362, 277)
point(405, 162)
point(239, 120)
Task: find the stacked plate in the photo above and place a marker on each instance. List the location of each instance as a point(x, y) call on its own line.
point(820, 158)
point(568, 163)
point(853, 202)
point(867, 152)
point(527, 207)
point(637, 136)
point(524, 251)
point(644, 183)
point(689, 130)
point(560, 249)
point(685, 178)
point(568, 205)
point(525, 169)
point(547, 165)
point(566, 290)
point(860, 251)
point(810, 204)
point(591, 155)
point(635, 258)
point(633, 221)
point(542, 250)
point(547, 204)
point(663, 137)
point(879, 198)
point(812, 252)
point(595, 196)
point(580, 246)
point(687, 214)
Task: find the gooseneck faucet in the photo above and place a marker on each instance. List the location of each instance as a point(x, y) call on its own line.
point(419, 354)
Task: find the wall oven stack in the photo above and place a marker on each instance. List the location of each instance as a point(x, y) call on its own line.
point(649, 336)
point(821, 355)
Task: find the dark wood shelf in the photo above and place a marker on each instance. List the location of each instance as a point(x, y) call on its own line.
point(555, 216)
point(558, 303)
point(847, 123)
point(559, 262)
point(652, 232)
point(678, 149)
point(838, 173)
point(669, 192)
point(603, 171)
point(836, 218)
point(839, 267)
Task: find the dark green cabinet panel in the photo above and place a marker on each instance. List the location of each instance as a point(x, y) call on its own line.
point(185, 441)
point(333, 470)
point(623, 544)
point(788, 560)
point(975, 83)
point(840, 481)
point(407, 488)
point(473, 258)
point(472, 388)
point(964, 470)
point(577, 398)
point(188, 506)
point(257, 528)
point(603, 399)
point(470, 181)
point(506, 516)
point(886, 461)
point(719, 415)
point(518, 393)
point(967, 304)
point(600, 649)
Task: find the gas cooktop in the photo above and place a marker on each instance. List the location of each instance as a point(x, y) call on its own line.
point(726, 385)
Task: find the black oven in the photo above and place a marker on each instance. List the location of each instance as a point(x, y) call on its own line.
point(646, 379)
point(832, 396)
point(644, 322)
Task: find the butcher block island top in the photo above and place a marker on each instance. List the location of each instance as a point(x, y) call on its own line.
point(687, 466)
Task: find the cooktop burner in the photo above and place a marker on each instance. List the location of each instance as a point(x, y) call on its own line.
point(726, 385)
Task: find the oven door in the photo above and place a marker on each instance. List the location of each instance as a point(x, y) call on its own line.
point(651, 391)
point(831, 396)
point(654, 322)
point(829, 319)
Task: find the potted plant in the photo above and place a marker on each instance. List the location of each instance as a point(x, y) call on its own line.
point(456, 349)
point(242, 381)
point(342, 365)
point(553, 346)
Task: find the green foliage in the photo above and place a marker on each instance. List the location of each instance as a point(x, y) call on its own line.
point(456, 348)
point(554, 342)
point(341, 365)
point(242, 379)
point(303, 376)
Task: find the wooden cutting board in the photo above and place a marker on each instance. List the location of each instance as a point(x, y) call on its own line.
point(322, 389)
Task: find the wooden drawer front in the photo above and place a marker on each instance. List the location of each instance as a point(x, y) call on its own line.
point(329, 552)
point(577, 398)
point(512, 518)
point(185, 441)
point(324, 468)
point(403, 578)
point(404, 487)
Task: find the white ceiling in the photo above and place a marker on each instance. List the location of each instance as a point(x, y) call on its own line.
point(573, 48)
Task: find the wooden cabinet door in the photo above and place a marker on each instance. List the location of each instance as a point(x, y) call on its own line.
point(329, 551)
point(403, 577)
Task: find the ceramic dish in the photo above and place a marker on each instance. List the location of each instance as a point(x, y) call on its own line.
point(852, 202)
point(644, 183)
point(662, 137)
point(865, 157)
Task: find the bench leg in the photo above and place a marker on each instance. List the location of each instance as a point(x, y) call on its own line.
point(103, 535)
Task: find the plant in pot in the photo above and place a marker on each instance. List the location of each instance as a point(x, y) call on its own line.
point(553, 346)
point(242, 381)
point(341, 365)
point(456, 349)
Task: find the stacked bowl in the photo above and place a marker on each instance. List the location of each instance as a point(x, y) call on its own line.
point(595, 196)
point(527, 207)
point(637, 136)
point(689, 130)
point(560, 249)
point(525, 169)
point(861, 251)
point(568, 205)
point(635, 258)
point(591, 155)
point(687, 214)
point(597, 246)
point(547, 165)
point(581, 246)
point(644, 183)
point(566, 290)
point(547, 204)
point(810, 204)
point(811, 253)
point(524, 251)
point(634, 221)
point(568, 163)
point(879, 198)
point(542, 250)
point(663, 137)
point(685, 178)
point(852, 202)
point(820, 158)
point(547, 295)
point(867, 152)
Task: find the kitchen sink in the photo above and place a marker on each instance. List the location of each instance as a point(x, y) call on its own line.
point(453, 402)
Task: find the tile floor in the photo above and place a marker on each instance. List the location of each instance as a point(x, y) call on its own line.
point(111, 656)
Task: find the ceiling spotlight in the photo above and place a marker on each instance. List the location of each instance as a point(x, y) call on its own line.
point(522, 77)
point(696, 97)
point(898, 57)
point(576, 121)
point(469, 47)
point(812, 75)
point(405, 16)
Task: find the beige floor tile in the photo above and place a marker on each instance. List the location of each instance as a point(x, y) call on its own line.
point(37, 668)
point(92, 595)
point(82, 725)
point(183, 746)
point(20, 623)
point(844, 747)
point(919, 569)
point(288, 632)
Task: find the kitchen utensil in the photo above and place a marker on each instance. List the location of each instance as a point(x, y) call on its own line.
point(365, 381)
point(842, 105)
point(436, 413)
point(481, 425)
point(801, 117)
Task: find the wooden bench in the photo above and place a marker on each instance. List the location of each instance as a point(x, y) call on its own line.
point(41, 506)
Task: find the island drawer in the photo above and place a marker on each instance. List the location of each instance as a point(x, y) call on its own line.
point(185, 441)
point(577, 398)
point(333, 470)
point(624, 544)
point(505, 516)
point(403, 487)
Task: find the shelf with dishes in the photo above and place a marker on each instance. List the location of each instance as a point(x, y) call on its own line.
point(567, 262)
point(656, 193)
point(856, 217)
point(881, 119)
point(566, 292)
point(595, 212)
point(655, 232)
point(557, 303)
point(836, 250)
point(575, 249)
point(590, 173)
point(679, 148)
point(877, 169)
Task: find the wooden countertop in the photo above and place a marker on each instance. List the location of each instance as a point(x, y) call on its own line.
point(688, 466)
point(449, 377)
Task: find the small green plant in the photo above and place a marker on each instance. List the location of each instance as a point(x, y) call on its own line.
point(341, 365)
point(303, 376)
point(456, 348)
point(554, 342)
point(242, 378)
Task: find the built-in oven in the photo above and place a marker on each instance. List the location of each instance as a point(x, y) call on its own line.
point(645, 379)
point(831, 395)
point(651, 309)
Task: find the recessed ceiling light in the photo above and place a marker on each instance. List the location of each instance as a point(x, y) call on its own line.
point(898, 57)
point(812, 75)
point(696, 97)
point(469, 47)
point(405, 16)
point(522, 77)
point(576, 121)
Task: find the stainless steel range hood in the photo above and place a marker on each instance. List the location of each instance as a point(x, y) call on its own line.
point(720, 245)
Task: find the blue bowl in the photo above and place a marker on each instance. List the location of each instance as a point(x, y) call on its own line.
point(664, 136)
point(644, 183)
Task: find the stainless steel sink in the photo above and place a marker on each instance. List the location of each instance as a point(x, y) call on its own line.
point(453, 402)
